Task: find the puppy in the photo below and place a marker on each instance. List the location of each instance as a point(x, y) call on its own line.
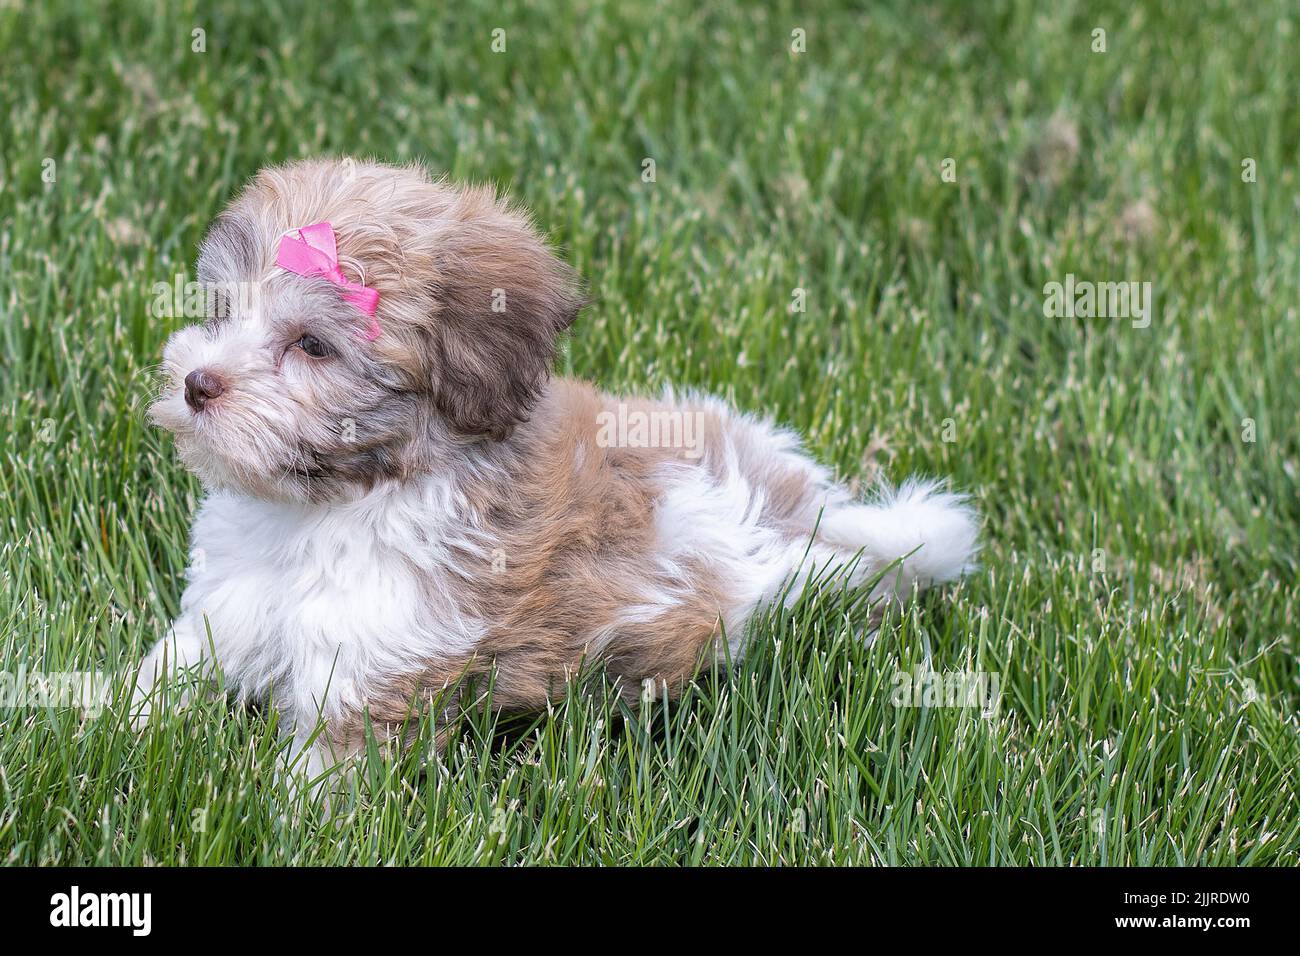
point(400, 498)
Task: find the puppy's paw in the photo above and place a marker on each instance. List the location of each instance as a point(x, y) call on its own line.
point(141, 707)
point(152, 697)
point(167, 675)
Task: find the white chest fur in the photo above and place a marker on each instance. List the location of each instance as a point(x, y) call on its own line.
point(315, 603)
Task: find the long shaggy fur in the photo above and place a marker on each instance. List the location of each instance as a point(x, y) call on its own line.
point(393, 519)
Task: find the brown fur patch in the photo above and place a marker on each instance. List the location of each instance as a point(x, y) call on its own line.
point(575, 522)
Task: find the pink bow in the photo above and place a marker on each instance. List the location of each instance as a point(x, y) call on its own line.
point(312, 251)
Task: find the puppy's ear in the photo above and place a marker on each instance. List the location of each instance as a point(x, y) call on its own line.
point(501, 299)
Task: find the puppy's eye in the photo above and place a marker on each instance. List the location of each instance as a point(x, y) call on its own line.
point(313, 346)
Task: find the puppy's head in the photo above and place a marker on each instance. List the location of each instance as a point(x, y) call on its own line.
point(285, 390)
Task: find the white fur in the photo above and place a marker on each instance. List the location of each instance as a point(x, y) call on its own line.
point(930, 533)
point(317, 603)
point(933, 532)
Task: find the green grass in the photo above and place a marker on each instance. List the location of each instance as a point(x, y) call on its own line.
point(1138, 591)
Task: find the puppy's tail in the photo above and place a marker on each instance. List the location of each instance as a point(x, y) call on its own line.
point(932, 533)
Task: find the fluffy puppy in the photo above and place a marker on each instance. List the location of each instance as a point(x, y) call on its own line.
point(399, 502)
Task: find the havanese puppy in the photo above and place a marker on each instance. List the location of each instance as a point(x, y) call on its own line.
point(401, 498)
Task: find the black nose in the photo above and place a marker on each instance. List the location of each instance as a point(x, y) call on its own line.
point(200, 386)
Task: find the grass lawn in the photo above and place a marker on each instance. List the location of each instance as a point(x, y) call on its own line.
point(1137, 602)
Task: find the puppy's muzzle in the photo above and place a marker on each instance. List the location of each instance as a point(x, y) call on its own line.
point(201, 386)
